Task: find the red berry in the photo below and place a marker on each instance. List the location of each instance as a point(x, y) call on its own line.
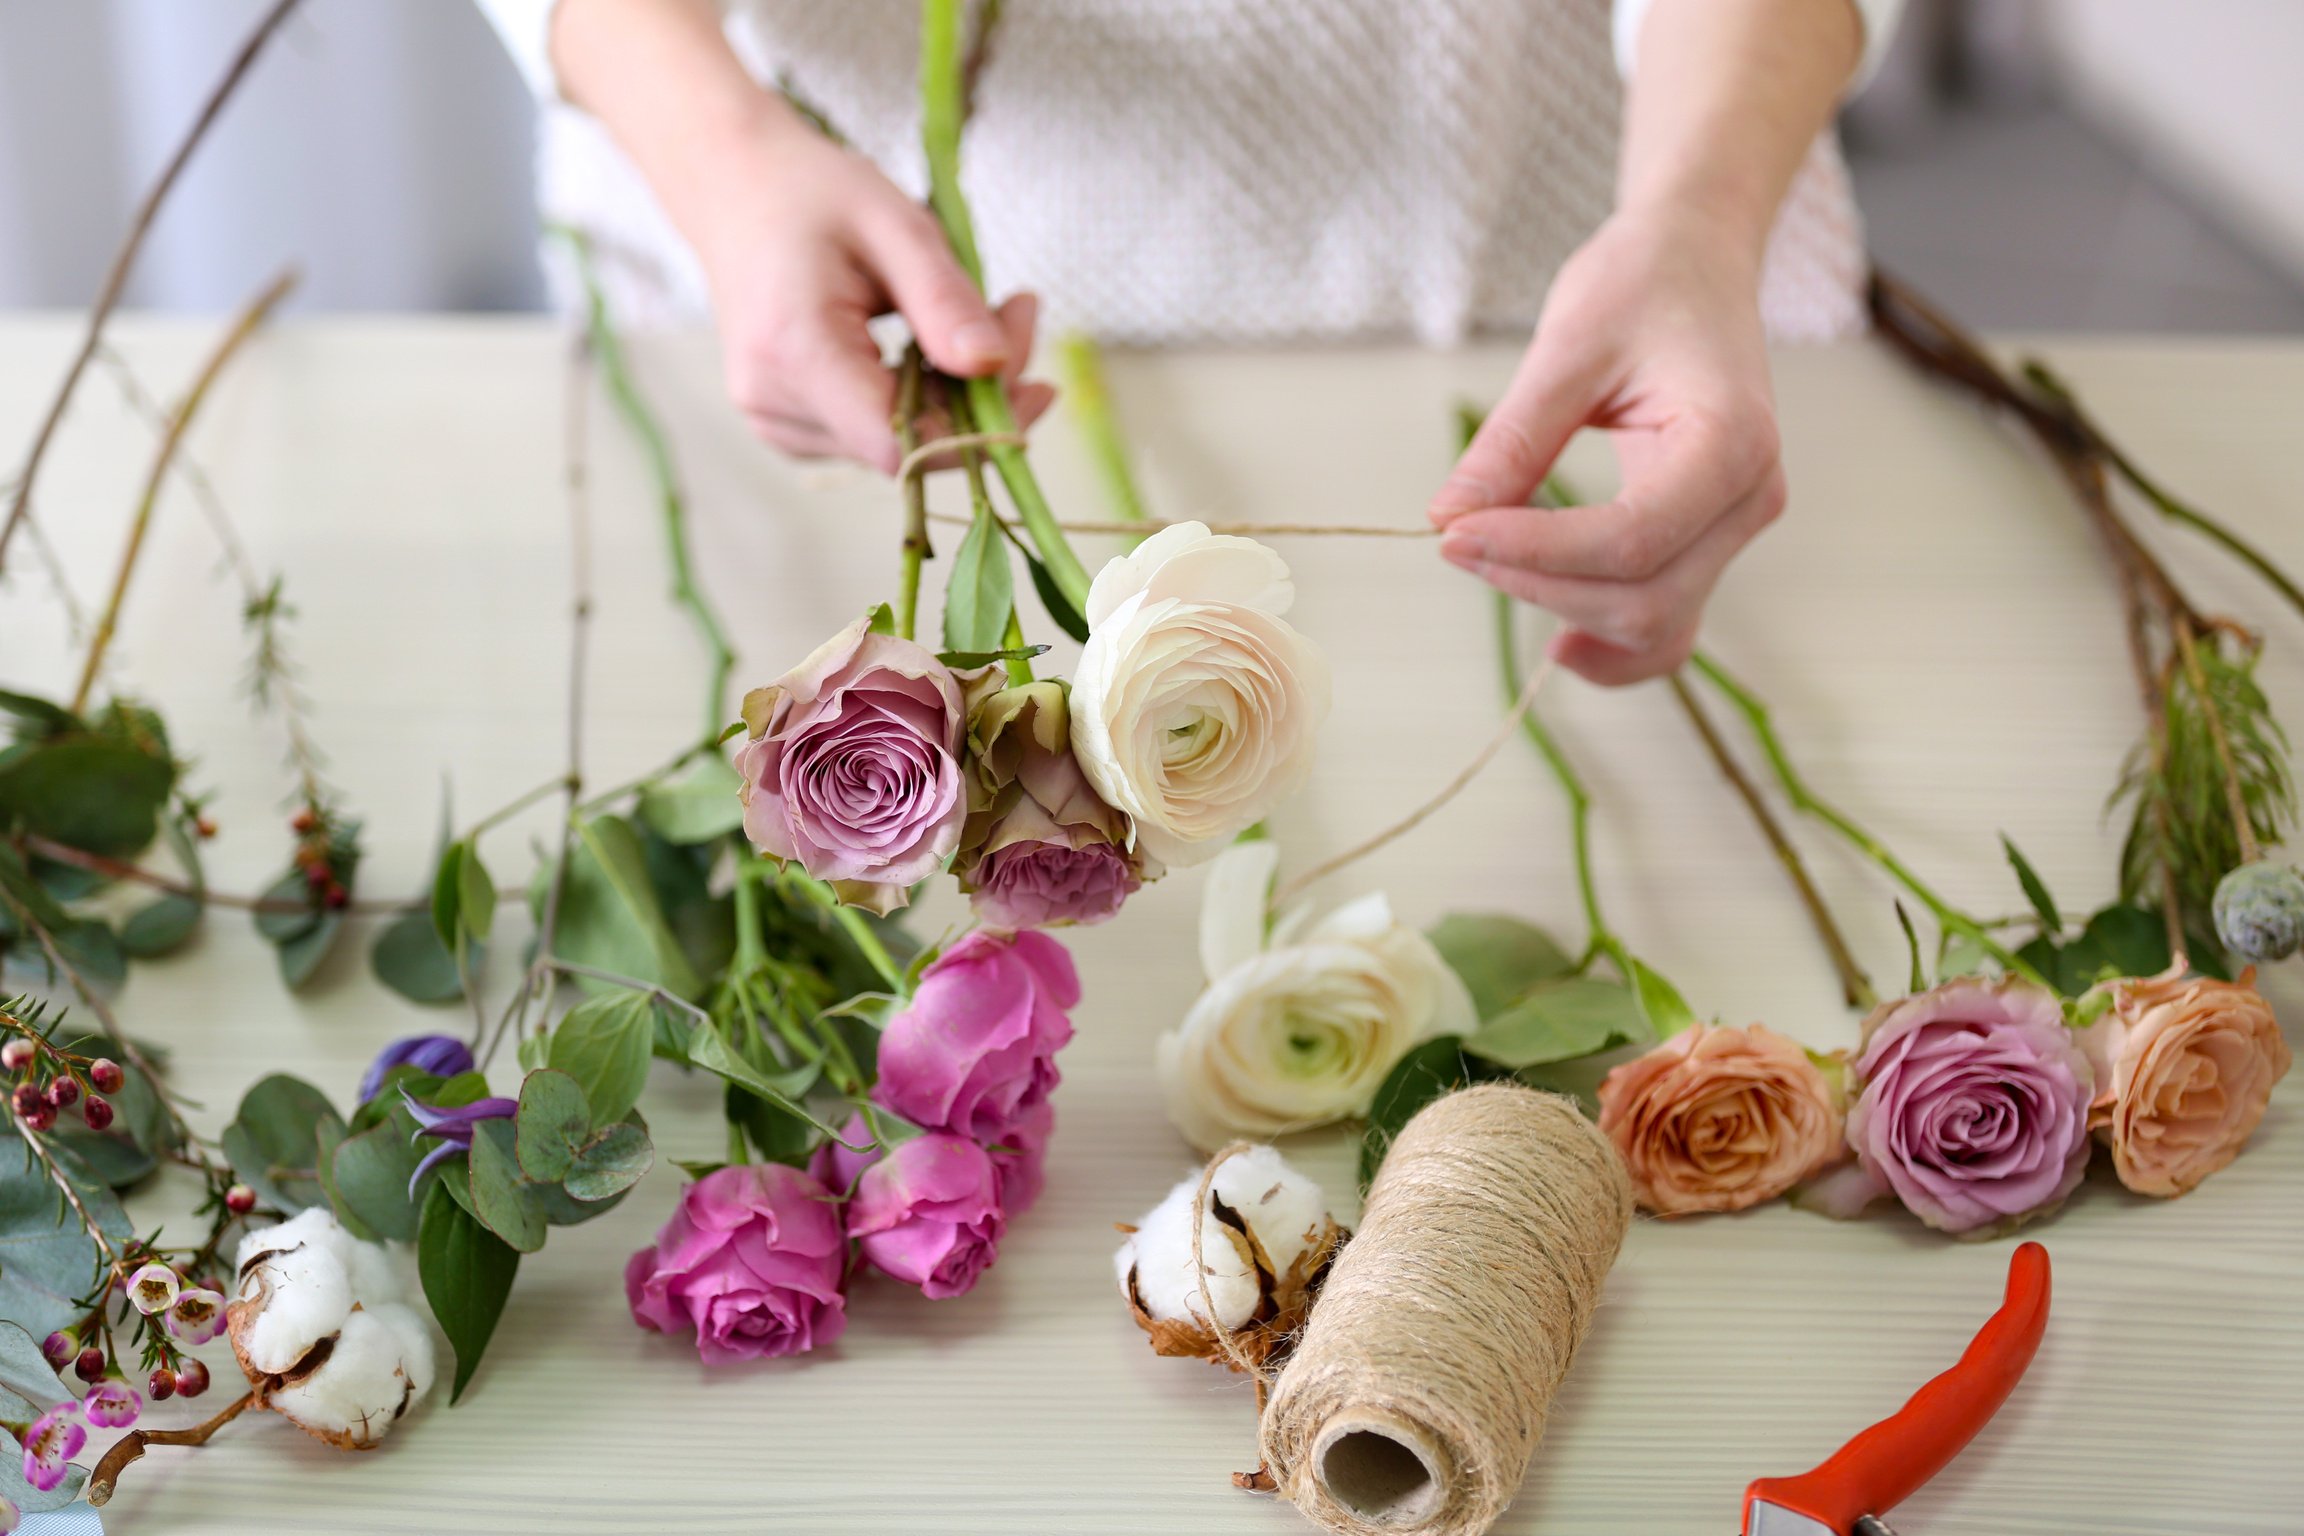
point(161, 1384)
point(316, 875)
point(60, 1348)
point(17, 1054)
point(303, 821)
point(27, 1101)
point(42, 1117)
point(64, 1093)
point(97, 1112)
point(203, 828)
point(239, 1199)
point(90, 1365)
point(336, 897)
point(191, 1379)
point(105, 1073)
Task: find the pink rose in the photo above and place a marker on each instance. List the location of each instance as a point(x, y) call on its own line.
point(929, 1213)
point(1020, 1158)
point(1039, 845)
point(1718, 1119)
point(2184, 1068)
point(751, 1260)
point(853, 767)
point(974, 1051)
point(1974, 1111)
point(1040, 883)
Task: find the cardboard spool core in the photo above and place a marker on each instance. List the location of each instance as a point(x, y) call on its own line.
point(1381, 1470)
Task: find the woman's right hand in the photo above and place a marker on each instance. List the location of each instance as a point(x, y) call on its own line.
point(803, 242)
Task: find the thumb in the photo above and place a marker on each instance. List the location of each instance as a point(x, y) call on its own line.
point(1515, 447)
point(955, 327)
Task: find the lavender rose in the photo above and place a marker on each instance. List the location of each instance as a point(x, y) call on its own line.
point(929, 1213)
point(974, 1051)
point(1040, 846)
point(853, 766)
point(751, 1260)
point(1974, 1110)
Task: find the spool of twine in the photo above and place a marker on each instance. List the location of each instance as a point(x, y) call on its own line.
point(1420, 1387)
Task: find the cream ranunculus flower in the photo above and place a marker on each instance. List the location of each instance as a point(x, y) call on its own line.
point(1196, 703)
point(1298, 1028)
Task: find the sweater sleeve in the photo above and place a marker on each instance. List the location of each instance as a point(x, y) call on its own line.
point(526, 28)
point(1876, 17)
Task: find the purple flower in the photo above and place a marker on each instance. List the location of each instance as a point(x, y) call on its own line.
point(440, 1055)
point(853, 766)
point(112, 1405)
point(1974, 1111)
point(453, 1128)
point(52, 1440)
point(974, 1051)
point(197, 1316)
point(1035, 884)
point(751, 1260)
point(929, 1213)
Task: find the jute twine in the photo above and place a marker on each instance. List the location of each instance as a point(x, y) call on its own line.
point(1417, 1394)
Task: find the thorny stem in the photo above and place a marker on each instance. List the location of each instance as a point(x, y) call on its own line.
point(244, 325)
point(915, 491)
point(116, 277)
point(1805, 800)
point(1855, 986)
point(625, 391)
point(943, 111)
point(130, 1447)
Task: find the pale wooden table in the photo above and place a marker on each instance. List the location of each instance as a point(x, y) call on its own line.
point(1932, 622)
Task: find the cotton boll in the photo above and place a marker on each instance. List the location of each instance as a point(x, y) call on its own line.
point(415, 1342)
point(291, 1297)
point(354, 1397)
point(1266, 1240)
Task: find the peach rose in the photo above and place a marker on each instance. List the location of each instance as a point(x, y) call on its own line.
point(2184, 1067)
point(1717, 1119)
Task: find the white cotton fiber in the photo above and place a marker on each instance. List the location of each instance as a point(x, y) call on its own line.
point(1285, 1211)
point(297, 1294)
point(357, 1391)
point(308, 1280)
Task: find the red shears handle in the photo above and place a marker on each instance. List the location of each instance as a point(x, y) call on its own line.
point(1881, 1467)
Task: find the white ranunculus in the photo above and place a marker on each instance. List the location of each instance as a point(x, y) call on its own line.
point(1299, 1027)
point(1197, 703)
point(324, 1332)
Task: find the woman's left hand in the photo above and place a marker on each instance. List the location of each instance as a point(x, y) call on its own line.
point(1652, 333)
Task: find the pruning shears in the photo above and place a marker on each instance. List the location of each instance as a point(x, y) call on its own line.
point(1853, 1489)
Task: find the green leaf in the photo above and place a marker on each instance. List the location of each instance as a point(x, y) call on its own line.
point(707, 1050)
point(409, 958)
point(704, 804)
point(2120, 940)
point(1052, 598)
point(963, 660)
point(2035, 889)
point(1498, 957)
point(1436, 1067)
point(610, 918)
point(110, 1157)
point(25, 1371)
point(161, 927)
point(371, 1173)
point(448, 893)
point(100, 794)
point(37, 717)
point(329, 1139)
point(1661, 1004)
point(467, 1273)
point(476, 900)
point(604, 1044)
point(47, 1259)
point(289, 910)
point(300, 956)
point(610, 1163)
point(90, 947)
point(500, 1195)
point(553, 1122)
point(980, 593)
point(880, 619)
point(274, 1140)
point(1559, 1021)
point(775, 1132)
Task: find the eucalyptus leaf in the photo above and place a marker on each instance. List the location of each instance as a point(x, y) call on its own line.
point(604, 1043)
point(1498, 956)
point(47, 1259)
point(1561, 1020)
point(703, 804)
point(110, 1156)
point(25, 1371)
point(467, 1273)
point(274, 1140)
point(162, 926)
point(329, 1139)
point(409, 958)
point(610, 1163)
point(610, 918)
point(300, 956)
point(553, 1122)
point(371, 1174)
point(100, 794)
point(287, 909)
point(90, 947)
point(476, 895)
point(500, 1194)
point(448, 893)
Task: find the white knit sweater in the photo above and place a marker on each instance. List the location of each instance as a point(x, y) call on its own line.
point(1231, 170)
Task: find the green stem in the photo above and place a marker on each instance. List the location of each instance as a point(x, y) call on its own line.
point(657, 449)
point(1603, 940)
point(943, 110)
point(909, 379)
point(686, 755)
point(1019, 668)
point(859, 932)
point(1806, 801)
point(1082, 366)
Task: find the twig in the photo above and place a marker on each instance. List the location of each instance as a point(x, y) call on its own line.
point(1855, 986)
point(1135, 530)
point(1522, 703)
point(243, 326)
point(116, 277)
point(129, 1448)
point(38, 1147)
point(188, 469)
point(120, 869)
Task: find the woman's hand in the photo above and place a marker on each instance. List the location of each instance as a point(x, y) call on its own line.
point(1652, 332)
point(803, 244)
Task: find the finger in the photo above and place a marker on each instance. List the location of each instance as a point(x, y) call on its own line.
point(1641, 617)
point(1019, 318)
point(1610, 666)
point(955, 327)
point(1030, 401)
point(838, 378)
point(1551, 395)
point(790, 434)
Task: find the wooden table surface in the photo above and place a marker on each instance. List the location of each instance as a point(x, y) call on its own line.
point(1932, 622)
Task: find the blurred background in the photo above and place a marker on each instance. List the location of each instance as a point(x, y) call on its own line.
point(2106, 165)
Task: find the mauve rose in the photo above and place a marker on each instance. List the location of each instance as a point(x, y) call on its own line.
point(1717, 1119)
point(853, 767)
point(751, 1260)
point(1039, 846)
point(929, 1213)
point(974, 1051)
point(2184, 1069)
point(1974, 1110)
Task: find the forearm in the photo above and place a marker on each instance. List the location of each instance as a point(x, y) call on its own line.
point(659, 74)
point(1725, 98)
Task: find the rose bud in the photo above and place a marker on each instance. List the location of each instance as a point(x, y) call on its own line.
point(1266, 1241)
point(974, 1051)
point(2260, 912)
point(1039, 846)
point(929, 1213)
